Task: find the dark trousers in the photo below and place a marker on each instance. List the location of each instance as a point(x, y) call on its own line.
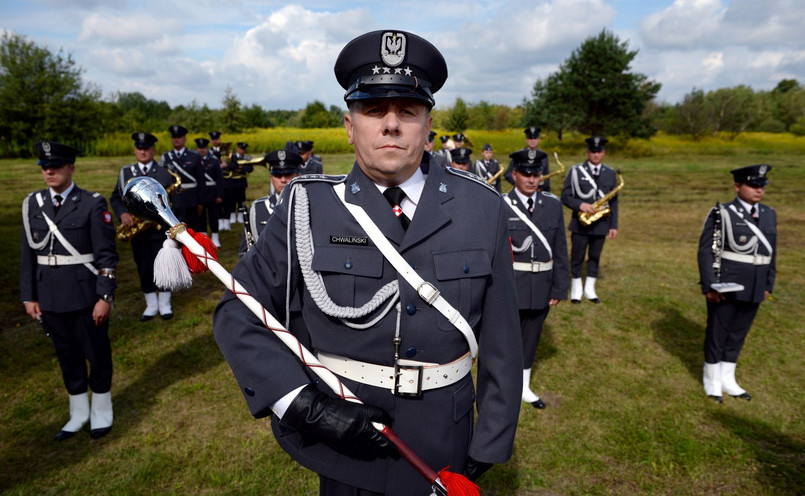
point(581, 245)
point(145, 247)
point(210, 214)
point(77, 341)
point(531, 323)
point(728, 324)
point(332, 487)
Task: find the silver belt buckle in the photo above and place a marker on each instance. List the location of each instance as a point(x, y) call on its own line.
point(52, 260)
point(535, 266)
point(428, 292)
point(398, 374)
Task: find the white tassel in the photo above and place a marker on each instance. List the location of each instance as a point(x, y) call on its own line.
point(170, 269)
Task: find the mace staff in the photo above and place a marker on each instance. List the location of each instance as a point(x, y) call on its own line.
point(148, 199)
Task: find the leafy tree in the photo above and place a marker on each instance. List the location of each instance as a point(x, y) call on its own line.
point(231, 116)
point(458, 119)
point(731, 109)
point(140, 113)
point(255, 117)
point(595, 92)
point(316, 115)
point(691, 116)
point(42, 97)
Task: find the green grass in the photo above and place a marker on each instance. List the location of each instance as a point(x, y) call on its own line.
point(626, 411)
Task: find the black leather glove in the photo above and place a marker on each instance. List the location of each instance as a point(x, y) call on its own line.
point(474, 469)
point(342, 424)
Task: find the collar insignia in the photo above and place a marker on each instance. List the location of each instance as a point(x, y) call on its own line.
point(443, 187)
point(354, 188)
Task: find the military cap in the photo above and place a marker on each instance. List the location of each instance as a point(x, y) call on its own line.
point(753, 175)
point(390, 64)
point(528, 161)
point(202, 143)
point(177, 131)
point(431, 136)
point(459, 137)
point(304, 146)
point(487, 147)
point(215, 134)
point(284, 162)
point(143, 139)
point(290, 146)
point(243, 145)
point(460, 155)
point(596, 143)
point(445, 138)
point(532, 132)
point(52, 154)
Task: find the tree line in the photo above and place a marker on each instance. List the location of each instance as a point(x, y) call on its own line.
point(594, 91)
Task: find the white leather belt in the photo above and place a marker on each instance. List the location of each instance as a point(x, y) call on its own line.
point(56, 260)
point(533, 266)
point(749, 259)
point(412, 377)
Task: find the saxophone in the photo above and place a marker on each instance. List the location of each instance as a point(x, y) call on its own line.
point(556, 172)
point(125, 233)
point(601, 205)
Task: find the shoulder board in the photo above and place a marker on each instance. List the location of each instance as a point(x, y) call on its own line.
point(314, 178)
point(471, 177)
point(262, 199)
point(548, 194)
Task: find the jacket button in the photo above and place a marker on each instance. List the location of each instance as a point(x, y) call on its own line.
point(410, 352)
point(410, 309)
point(249, 391)
point(348, 264)
point(466, 269)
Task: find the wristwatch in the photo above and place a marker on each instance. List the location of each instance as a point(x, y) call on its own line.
point(108, 298)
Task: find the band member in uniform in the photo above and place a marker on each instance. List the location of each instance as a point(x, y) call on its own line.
point(537, 231)
point(460, 158)
point(235, 183)
point(488, 167)
point(213, 194)
point(435, 157)
point(284, 167)
point(584, 184)
point(532, 139)
point(67, 281)
point(217, 149)
point(312, 163)
point(148, 237)
point(450, 228)
point(458, 140)
point(215, 145)
point(737, 266)
point(186, 202)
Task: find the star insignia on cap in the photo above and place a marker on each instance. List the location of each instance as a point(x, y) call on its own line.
point(386, 70)
point(408, 71)
point(398, 71)
point(375, 70)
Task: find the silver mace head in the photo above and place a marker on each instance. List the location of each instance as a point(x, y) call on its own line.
point(147, 199)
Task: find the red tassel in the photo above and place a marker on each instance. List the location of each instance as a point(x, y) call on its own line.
point(457, 484)
point(194, 263)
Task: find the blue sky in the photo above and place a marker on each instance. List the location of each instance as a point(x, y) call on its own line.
point(280, 55)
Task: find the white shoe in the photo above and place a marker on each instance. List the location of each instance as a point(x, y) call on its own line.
point(216, 240)
point(165, 310)
point(233, 218)
point(575, 290)
point(101, 416)
point(528, 395)
point(79, 413)
point(728, 383)
point(151, 307)
point(711, 379)
point(589, 290)
point(240, 218)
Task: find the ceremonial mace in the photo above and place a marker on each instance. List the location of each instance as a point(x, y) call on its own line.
point(146, 198)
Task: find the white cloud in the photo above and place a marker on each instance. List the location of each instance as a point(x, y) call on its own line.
point(126, 30)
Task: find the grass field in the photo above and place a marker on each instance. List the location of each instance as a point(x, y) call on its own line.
point(626, 411)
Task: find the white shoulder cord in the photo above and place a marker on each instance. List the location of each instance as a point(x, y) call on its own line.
point(314, 281)
point(27, 225)
point(576, 187)
point(427, 291)
point(54, 229)
point(746, 248)
point(530, 225)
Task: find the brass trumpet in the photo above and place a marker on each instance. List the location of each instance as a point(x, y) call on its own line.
point(239, 174)
point(601, 205)
point(125, 233)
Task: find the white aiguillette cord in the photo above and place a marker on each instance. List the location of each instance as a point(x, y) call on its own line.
point(424, 289)
point(530, 225)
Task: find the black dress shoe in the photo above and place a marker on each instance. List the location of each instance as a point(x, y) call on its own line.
point(539, 404)
point(99, 433)
point(167, 316)
point(595, 300)
point(575, 302)
point(146, 318)
point(742, 396)
point(717, 399)
point(62, 435)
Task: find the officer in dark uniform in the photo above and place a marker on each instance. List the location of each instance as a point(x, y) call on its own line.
point(284, 166)
point(532, 139)
point(460, 159)
point(236, 182)
point(737, 266)
point(488, 167)
point(435, 157)
point(312, 163)
point(187, 201)
point(584, 184)
point(148, 237)
point(215, 145)
point(537, 231)
point(450, 228)
point(458, 140)
point(213, 194)
point(67, 281)
point(219, 149)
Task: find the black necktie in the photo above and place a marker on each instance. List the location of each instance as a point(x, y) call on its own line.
point(145, 170)
point(57, 203)
point(395, 197)
point(595, 172)
point(753, 212)
point(530, 204)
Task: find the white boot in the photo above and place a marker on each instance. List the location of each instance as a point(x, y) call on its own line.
point(101, 416)
point(240, 218)
point(151, 307)
point(712, 380)
point(728, 383)
point(589, 290)
point(575, 290)
point(233, 218)
point(220, 224)
point(215, 240)
point(165, 310)
point(227, 227)
point(528, 395)
point(79, 414)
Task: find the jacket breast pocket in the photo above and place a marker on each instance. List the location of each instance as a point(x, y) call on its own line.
point(351, 274)
point(461, 278)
